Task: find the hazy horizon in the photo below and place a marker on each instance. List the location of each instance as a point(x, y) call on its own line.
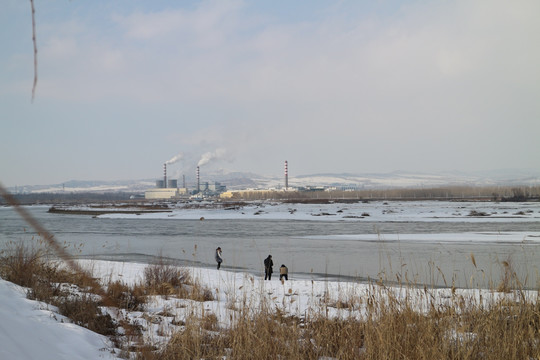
point(394, 179)
point(347, 87)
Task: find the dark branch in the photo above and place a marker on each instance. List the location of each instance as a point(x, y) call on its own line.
point(35, 49)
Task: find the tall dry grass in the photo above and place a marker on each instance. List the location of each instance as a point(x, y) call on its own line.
point(166, 279)
point(393, 329)
point(30, 264)
point(23, 263)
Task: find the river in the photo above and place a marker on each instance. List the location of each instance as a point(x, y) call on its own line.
point(438, 252)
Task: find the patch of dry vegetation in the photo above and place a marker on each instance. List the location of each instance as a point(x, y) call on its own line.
point(392, 325)
point(32, 267)
point(48, 280)
point(387, 332)
point(486, 193)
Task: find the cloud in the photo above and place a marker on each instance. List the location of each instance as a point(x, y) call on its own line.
point(208, 53)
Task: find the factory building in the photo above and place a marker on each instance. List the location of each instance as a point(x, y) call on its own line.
point(258, 194)
point(161, 194)
point(167, 189)
point(213, 188)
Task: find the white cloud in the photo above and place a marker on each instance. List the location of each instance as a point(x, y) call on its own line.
point(203, 54)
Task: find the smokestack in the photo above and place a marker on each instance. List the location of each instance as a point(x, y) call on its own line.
point(184, 181)
point(286, 175)
point(198, 181)
point(165, 175)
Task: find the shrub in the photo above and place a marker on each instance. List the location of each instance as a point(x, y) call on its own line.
point(165, 279)
point(125, 297)
point(22, 264)
point(84, 310)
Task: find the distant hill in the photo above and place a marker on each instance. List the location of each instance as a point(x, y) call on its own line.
point(240, 180)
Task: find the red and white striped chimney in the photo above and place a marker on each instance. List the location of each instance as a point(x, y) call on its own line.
point(286, 175)
point(165, 175)
point(198, 181)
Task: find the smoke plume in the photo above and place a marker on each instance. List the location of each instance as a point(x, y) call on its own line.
point(211, 156)
point(175, 159)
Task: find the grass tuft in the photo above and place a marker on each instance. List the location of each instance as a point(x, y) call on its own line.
point(165, 279)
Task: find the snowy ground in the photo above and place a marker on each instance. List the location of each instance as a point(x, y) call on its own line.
point(33, 330)
point(372, 211)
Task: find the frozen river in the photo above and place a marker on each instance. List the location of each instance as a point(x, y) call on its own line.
point(430, 243)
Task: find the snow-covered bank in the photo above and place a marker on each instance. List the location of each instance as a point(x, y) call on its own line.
point(445, 211)
point(294, 297)
point(470, 237)
point(33, 330)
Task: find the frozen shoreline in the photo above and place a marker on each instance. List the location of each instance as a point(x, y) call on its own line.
point(384, 211)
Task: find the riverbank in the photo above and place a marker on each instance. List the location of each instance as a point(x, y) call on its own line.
point(354, 320)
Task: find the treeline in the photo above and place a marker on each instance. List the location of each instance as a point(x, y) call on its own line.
point(486, 193)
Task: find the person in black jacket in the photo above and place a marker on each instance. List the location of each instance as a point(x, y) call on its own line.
point(268, 263)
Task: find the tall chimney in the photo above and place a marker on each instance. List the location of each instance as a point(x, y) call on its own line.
point(184, 181)
point(165, 175)
point(198, 181)
point(286, 175)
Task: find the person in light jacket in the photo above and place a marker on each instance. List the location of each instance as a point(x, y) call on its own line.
point(268, 263)
point(219, 259)
point(283, 272)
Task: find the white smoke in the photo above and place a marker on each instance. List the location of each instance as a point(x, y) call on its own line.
point(211, 156)
point(175, 159)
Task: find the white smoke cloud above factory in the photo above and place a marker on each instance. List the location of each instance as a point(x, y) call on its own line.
point(189, 161)
point(211, 156)
point(175, 159)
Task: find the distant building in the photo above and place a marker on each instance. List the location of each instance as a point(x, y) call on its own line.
point(168, 190)
point(349, 187)
point(160, 194)
point(164, 193)
point(256, 194)
point(215, 188)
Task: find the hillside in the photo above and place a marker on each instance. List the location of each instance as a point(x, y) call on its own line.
point(241, 180)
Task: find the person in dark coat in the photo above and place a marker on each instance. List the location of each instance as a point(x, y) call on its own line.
point(268, 263)
point(283, 272)
point(219, 259)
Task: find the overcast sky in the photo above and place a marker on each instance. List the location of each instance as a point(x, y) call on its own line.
point(330, 86)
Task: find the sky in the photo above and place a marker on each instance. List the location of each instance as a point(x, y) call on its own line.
point(231, 85)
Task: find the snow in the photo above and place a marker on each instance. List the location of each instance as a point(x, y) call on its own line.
point(491, 237)
point(33, 330)
point(376, 211)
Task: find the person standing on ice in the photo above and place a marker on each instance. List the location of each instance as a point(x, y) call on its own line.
point(219, 259)
point(283, 272)
point(268, 263)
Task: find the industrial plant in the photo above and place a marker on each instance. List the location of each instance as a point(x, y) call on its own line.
point(167, 189)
